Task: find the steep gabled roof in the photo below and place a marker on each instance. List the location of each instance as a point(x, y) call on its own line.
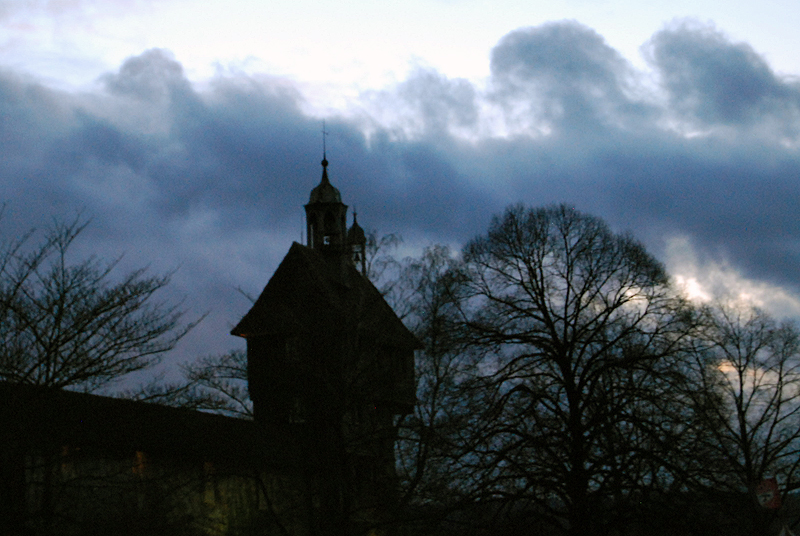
point(310, 290)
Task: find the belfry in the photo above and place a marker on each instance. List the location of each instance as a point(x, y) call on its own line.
point(326, 216)
point(326, 226)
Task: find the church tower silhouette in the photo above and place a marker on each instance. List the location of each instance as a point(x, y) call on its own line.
point(331, 365)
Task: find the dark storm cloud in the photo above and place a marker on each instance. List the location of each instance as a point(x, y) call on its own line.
point(716, 81)
point(241, 147)
point(565, 74)
point(173, 176)
point(413, 188)
point(153, 162)
point(734, 191)
point(212, 179)
point(738, 205)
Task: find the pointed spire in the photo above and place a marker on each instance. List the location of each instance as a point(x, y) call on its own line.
point(324, 156)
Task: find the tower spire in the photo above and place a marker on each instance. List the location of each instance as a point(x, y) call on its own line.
point(324, 156)
point(326, 224)
point(324, 133)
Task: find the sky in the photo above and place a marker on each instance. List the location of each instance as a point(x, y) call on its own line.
point(190, 132)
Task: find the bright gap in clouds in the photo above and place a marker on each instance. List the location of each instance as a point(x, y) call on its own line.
point(709, 279)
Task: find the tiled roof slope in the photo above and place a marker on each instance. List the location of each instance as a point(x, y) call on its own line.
point(309, 291)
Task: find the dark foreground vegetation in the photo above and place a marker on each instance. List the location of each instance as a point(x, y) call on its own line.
point(565, 386)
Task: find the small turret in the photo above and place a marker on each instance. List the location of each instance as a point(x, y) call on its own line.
point(357, 241)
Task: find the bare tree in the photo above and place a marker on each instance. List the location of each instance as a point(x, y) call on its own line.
point(218, 384)
point(750, 363)
point(67, 324)
point(381, 265)
point(578, 326)
point(75, 325)
point(430, 435)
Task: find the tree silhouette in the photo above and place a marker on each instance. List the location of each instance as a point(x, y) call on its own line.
point(66, 325)
point(75, 325)
point(577, 326)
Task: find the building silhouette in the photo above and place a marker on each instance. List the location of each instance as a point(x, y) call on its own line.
point(330, 368)
point(331, 364)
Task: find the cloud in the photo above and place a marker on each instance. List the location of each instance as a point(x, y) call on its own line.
point(153, 75)
point(713, 81)
point(705, 280)
point(566, 76)
point(427, 104)
point(212, 178)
